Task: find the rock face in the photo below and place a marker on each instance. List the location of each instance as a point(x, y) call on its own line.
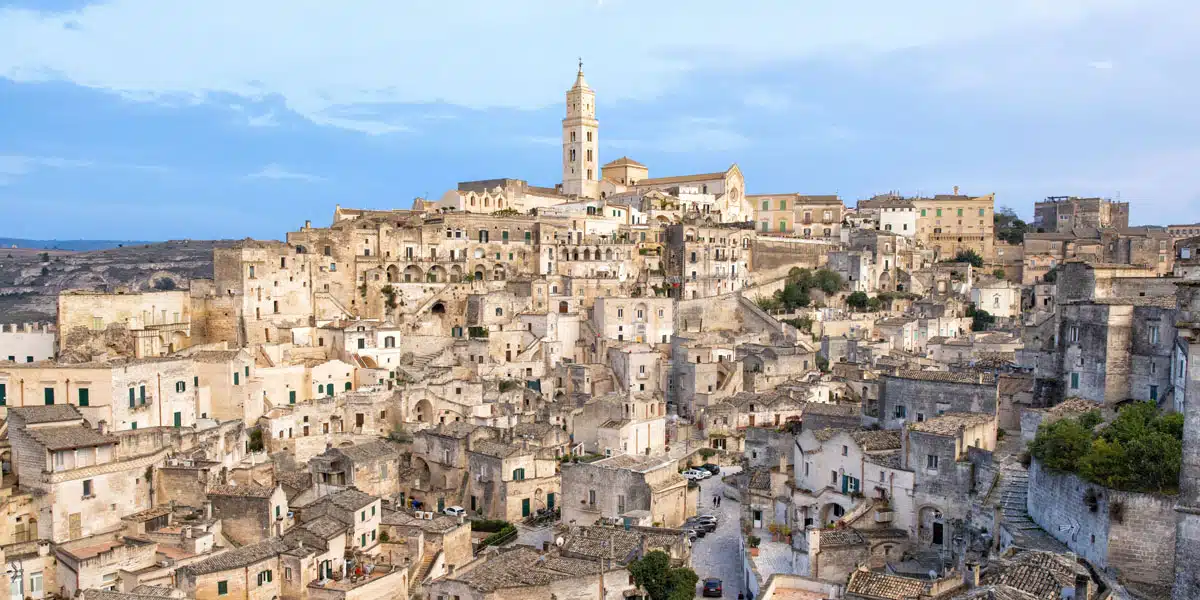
point(30, 280)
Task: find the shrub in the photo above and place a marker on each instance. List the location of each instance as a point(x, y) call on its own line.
point(969, 256)
point(707, 453)
point(858, 301)
point(164, 284)
point(490, 525)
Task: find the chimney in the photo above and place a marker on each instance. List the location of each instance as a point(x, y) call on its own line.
point(975, 572)
point(102, 426)
point(307, 224)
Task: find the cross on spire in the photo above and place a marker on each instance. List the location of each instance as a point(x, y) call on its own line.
point(580, 64)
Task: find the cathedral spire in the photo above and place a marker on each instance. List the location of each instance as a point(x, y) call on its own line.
point(580, 82)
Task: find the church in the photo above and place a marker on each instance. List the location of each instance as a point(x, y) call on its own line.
point(624, 181)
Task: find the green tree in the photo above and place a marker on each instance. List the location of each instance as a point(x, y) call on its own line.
point(969, 256)
point(654, 574)
point(1061, 444)
point(981, 320)
point(45, 256)
point(874, 304)
point(998, 273)
point(858, 301)
point(1008, 226)
point(164, 284)
point(800, 277)
point(827, 281)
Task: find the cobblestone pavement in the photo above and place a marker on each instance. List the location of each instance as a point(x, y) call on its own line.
point(717, 554)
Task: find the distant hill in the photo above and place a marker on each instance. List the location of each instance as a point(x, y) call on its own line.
point(68, 245)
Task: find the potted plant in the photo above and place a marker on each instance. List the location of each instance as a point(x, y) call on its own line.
point(753, 541)
point(774, 529)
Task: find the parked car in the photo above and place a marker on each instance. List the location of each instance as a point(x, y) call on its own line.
point(705, 526)
point(455, 511)
point(694, 475)
point(708, 519)
point(711, 468)
point(712, 588)
point(696, 528)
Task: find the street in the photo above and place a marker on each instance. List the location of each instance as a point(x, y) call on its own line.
point(716, 554)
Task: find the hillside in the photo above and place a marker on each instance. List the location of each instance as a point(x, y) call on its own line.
point(30, 281)
point(68, 245)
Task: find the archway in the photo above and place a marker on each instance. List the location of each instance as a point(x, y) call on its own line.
point(931, 527)
point(393, 274)
point(498, 273)
point(831, 512)
point(424, 411)
point(479, 271)
point(439, 308)
point(436, 274)
point(412, 273)
point(564, 307)
point(456, 273)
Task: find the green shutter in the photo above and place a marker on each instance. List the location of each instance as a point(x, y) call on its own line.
point(247, 371)
point(292, 397)
point(83, 396)
point(3, 394)
point(49, 395)
point(235, 378)
point(222, 588)
point(179, 419)
point(347, 386)
point(196, 381)
point(132, 398)
point(142, 393)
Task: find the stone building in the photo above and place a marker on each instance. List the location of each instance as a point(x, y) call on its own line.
point(372, 467)
point(915, 396)
point(939, 452)
point(806, 216)
point(626, 486)
point(447, 536)
point(1067, 213)
point(28, 342)
point(250, 513)
point(837, 469)
point(648, 320)
point(511, 481)
point(523, 572)
point(949, 224)
point(154, 323)
point(707, 260)
point(361, 513)
point(79, 470)
point(1187, 517)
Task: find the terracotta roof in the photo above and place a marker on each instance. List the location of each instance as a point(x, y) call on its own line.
point(878, 440)
point(844, 536)
point(832, 410)
point(682, 178)
point(950, 423)
point(70, 436)
point(522, 567)
point(242, 491)
point(624, 160)
point(46, 414)
point(216, 356)
point(945, 376)
point(238, 557)
point(882, 586)
point(369, 451)
point(324, 527)
point(498, 449)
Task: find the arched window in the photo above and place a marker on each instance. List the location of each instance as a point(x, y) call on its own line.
point(389, 342)
point(499, 312)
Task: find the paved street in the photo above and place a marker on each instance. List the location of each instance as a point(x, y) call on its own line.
point(716, 554)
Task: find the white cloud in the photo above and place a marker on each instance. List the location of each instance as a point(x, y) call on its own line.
point(276, 171)
point(190, 50)
point(15, 166)
point(766, 99)
point(264, 120)
point(1102, 65)
point(684, 135)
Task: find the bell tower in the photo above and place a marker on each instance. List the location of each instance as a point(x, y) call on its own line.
point(581, 156)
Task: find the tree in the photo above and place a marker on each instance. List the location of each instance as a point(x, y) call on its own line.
point(858, 301)
point(998, 273)
point(1061, 444)
point(164, 284)
point(654, 574)
point(827, 281)
point(45, 256)
point(874, 304)
point(981, 320)
point(1008, 226)
point(969, 256)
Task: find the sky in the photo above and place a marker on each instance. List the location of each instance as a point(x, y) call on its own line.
point(153, 120)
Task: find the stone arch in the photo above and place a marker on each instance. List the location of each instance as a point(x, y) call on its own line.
point(931, 526)
point(479, 272)
point(436, 274)
point(301, 250)
point(608, 254)
point(499, 273)
point(423, 411)
point(455, 273)
point(393, 274)
point(412, 273)
point(424, 474)
point(587, 254)
point(831, 512)
point(439, 308)
point(564, 307)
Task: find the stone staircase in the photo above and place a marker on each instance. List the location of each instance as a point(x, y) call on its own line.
point(424, 567)
point(1014, 511)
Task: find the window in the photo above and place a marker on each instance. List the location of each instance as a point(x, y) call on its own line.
point(195, 382)
point(1154, 392)
point(591, 497)
point(783, 205)
point(83, 396)
point(1074, 334)
point(1154, 334)
point(87, 488)
point(222, 588)
point(132, 398)
point(363, 516)
point(518, 474)
point(931, 461)
point(939, 212)
point(236, 379)
point(264, 577)
point(142, 393)
point(960, 212)
point(49, 392)
point(3, 394)
point(833, 477)
point(901, 411)
point(766, 205)
point(845, 451)
point(1074, 381)
point(35, 582)
point(348, 386)
point(180, 386)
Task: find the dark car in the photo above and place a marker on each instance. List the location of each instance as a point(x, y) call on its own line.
point(711, 468)
point(712, 588)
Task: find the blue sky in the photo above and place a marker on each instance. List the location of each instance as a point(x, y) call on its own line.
point(145, 119)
